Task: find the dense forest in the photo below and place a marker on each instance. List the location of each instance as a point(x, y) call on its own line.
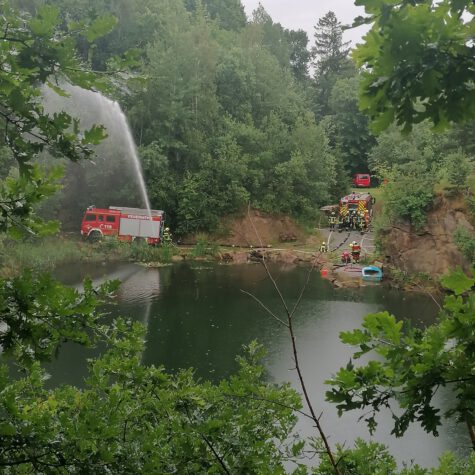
point(226, 112)
point(229, 112)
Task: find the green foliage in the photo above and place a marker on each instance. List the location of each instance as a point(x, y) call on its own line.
point(132, 418)
point(450, 465)
point(430, 38)
point(44, 254)
point(422, 145)
point(465, 241)
point(366, 458)
point(330, 59)
point(36, 52)
point(458, 167)
point(143, 252)
point(203, 247)
point(412, 365)
point(39, 314)
point(348, 127)
point(457, 282)
point(409, 193)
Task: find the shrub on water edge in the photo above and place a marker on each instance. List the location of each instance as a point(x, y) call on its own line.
point(143, 252)
point(204, 248)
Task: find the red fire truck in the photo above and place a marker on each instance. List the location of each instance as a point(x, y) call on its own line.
point(128, 224)
point(357, 202)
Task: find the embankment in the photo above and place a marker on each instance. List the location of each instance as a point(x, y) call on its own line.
point(432, 249)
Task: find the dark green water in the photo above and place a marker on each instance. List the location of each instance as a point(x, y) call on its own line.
point(197, 315)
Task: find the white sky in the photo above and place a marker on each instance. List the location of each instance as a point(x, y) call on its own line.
point(304, 14)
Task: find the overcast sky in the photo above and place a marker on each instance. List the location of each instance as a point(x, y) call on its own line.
point(304, 14)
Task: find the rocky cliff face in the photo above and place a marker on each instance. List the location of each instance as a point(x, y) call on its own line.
point(432, 249)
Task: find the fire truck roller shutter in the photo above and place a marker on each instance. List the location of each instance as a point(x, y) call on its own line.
point(149, 229)
point(139, 228)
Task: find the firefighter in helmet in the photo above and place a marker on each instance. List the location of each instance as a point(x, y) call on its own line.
point(324, 247)
point(366, 219)
point(361, 222)
point(167, 236)
point(355, 251)
point(343, 221)
point(332, 220)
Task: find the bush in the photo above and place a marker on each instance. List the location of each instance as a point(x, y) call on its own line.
point(203, 247)
point(457, 167)
point(410, 193)
point(465, 241)
point(143, 252)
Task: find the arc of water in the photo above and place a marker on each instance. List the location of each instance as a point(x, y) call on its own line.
point(114, 112)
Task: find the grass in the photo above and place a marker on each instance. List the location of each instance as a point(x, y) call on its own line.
point(43, 254)
point(46, 253)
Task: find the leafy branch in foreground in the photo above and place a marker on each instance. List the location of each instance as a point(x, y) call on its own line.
point(37, 314)
point(418, 62)
point(132, 418)
point(414, 364)
point(37, 52)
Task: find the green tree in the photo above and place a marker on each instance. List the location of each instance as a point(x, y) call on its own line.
point(349, 129)
point(330, 59)
point(36, 53)
point(299, 54)
point(229, 13)
point(418, 62)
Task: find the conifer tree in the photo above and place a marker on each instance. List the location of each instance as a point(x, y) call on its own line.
point(330, 58)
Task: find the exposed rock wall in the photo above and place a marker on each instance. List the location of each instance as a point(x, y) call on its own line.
point(256, 228)
point(432, 249)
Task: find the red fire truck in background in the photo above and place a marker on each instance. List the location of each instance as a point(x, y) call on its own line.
point(356, 202)
point(128, 224)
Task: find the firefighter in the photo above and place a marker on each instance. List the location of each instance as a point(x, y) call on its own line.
point(332, 220)
point(352, 220)
point(347, 222)
point(345, 257)
point(366, 219)
point(167, 237)
point(355, 251)
point(323, 247)
point(361, 222)
point(341, 222)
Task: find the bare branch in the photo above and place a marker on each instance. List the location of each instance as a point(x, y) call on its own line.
point(268, 310)
point(289, 325)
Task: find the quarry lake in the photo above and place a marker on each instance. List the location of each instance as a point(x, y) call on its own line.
point(197, 315)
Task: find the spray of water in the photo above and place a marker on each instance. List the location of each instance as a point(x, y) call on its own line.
point(93, 108)
point(112, 113)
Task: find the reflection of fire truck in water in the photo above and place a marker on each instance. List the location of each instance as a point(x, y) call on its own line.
point(355, 211)
point(128, 224)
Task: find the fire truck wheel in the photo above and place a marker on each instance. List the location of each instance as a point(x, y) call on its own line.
point(94, 236)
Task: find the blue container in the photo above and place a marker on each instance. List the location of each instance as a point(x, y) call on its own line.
point(372, 274)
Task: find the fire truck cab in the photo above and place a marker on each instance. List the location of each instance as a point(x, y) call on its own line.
point(128, 224)
point(356, 202)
